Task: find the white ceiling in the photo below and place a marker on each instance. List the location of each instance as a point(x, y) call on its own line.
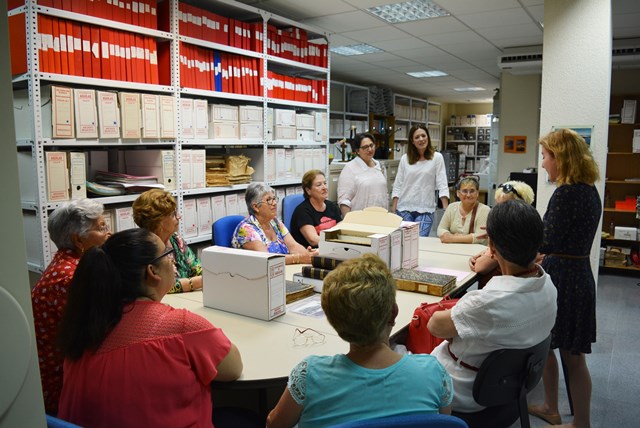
point(465, 45)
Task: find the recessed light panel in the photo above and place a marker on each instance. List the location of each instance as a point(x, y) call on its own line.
point(432, 73)
point(406, 11)
point(354, 50)
point(471, 89)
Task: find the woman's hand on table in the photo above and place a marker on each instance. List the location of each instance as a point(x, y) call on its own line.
point(305, 258)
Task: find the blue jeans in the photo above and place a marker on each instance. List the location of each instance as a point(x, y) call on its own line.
point(425, 220)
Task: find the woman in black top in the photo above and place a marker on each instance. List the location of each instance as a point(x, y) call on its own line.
point(315, 213)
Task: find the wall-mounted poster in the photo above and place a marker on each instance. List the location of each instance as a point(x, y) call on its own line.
point(584, 131)
point(515, 144)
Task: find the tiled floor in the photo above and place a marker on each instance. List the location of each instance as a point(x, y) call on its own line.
point(615, 361)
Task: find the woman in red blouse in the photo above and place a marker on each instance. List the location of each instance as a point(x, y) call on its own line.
point(130, 360)
point(74, 227)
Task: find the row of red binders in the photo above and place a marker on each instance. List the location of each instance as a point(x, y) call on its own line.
point(72, 48)
point(296, 88)
point(142, 13)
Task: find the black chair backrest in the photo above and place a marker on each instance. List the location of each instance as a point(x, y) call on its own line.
point(505, 372)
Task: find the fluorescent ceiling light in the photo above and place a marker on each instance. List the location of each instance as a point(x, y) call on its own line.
point(406, 11)
point(471, 89)
point(354, 49)
point(433, 73)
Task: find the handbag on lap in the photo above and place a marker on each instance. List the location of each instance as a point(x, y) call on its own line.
point(419, 339)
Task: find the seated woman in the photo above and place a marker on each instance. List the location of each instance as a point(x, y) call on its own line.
point(315, 213)
point(454, 227)
point(263, 231)
point(484, 264)
point(359, 300)
point(514, 310)
point(129, 359)
point(74, 227)
point(156, 211)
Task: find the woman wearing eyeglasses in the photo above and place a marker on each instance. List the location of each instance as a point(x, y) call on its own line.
point(363, 181)
point(421, 172)
point(371, 380)
point(263, 231)
point(75, 227)
point(156, 211)
point(464, 220)
point(129, 359)
point(484, 264)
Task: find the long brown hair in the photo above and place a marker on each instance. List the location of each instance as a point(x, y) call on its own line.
point(412, 152)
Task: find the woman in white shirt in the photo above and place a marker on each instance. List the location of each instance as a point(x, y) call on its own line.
point(363, 181)
point(421, 172)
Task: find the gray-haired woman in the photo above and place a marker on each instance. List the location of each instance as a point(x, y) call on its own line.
point(75, 227)
point(263, 231)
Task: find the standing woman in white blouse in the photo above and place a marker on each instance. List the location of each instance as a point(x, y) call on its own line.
point(363, 181)
point(421, 172)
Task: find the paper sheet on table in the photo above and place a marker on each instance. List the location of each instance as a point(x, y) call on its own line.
point(459, 274)
point(310, 307)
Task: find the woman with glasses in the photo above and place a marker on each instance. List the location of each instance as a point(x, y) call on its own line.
point(484, 264)
point(463, 221)
point(363, 181)
point(570, 226)
point(155, 210)
point(131, 360)
point(263, 231)
point(420, 174)
point(371, 380)
point(315, 213)
point(74, 227)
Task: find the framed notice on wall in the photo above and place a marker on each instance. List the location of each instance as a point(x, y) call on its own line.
point(584, 131)
point(515, 144)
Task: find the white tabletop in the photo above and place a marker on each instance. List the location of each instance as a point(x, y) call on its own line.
point(433, 244)
point(267, 347)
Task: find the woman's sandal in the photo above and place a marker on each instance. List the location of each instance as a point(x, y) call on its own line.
point(551, 418)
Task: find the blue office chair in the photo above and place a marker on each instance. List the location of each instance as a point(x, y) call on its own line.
point(416, 420)
point(53, 422)
point(223, 228)
point(502, 383)
point(289, 204)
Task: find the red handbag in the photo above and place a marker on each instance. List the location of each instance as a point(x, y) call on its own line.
point(419, 339)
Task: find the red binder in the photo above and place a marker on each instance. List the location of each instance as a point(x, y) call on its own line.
point(18, 43)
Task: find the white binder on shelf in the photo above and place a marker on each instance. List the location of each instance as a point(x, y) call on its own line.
point(205, 216)
point(78, 174)
point(167, 116)
point(130, 109)
point(57, 176)
point(281, 166)
point(198, 169)
point(86, 115)
point(108, 114)
point(186, 117)
point(231, 204)
point(62, 114)
point(150, 116)
point(124, 219)
point(190, 218)
point(185, 162)
point(270, 172)
point(200, 119)
point(218, 207)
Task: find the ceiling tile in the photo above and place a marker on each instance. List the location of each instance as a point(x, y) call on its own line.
point(337, 23)
point(441, 25)
point(495, 18)
point(374, 34)
point(457, 7)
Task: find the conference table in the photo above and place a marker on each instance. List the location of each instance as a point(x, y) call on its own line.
point(268, 348)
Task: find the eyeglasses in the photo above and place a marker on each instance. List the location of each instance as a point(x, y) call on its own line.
point(166, 252)
point(367, 146)
point(307, 336)
point(102, 229)
point(270, 201)
point(508, 188)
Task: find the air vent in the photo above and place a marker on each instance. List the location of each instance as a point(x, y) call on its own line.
point(507, 59)
point(626, 51)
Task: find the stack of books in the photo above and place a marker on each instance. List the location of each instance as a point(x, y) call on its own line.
point(424, 282)
point(315, 274)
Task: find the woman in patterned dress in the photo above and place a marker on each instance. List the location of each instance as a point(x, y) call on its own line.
point(155, 210)
point(571, 222)
point(74, 227)
point(263, 231)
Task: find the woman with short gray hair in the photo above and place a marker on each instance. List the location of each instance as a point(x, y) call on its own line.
point(75, 227)
point(263, 231)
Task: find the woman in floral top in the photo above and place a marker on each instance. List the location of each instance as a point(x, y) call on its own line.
point(155, 210)
point(74, 227)
point(263, 231)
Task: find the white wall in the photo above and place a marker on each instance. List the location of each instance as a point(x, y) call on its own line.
point(27, 408)
point(519, 115)
point(576, 81)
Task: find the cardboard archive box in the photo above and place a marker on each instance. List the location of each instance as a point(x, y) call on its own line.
point(244, 282)
point(372, 230)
